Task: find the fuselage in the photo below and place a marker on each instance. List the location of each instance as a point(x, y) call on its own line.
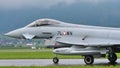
point(47, 29)
point(47, 32)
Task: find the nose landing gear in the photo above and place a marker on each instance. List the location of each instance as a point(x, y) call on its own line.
point(55, 60)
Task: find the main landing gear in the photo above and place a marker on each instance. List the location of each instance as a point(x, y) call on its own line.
point(112, 57)
point(89, 59)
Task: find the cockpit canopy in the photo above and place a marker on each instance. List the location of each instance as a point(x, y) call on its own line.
point(44, 22)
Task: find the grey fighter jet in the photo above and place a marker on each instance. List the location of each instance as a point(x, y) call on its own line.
point(72, 39)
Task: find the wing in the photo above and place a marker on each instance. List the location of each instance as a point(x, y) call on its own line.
point(87, 41)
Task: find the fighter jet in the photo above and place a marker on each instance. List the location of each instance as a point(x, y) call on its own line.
point(73, 39)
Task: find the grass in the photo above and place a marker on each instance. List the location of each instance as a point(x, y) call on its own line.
point(77, 66)
point(30, 54)
point(25, 55)
point(34, 54)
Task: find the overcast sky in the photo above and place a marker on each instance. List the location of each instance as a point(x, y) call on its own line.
point(18, 13)
point(44, 4)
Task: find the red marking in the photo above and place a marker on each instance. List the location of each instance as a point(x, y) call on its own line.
point(55, 44)
point(64, 33)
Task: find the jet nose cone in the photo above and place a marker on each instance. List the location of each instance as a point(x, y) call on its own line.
point(6, 34)
point(12, 33)
point(9, 34)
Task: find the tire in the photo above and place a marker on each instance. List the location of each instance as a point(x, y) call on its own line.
point(112, 58)
point(55, 60)
point(89, 60)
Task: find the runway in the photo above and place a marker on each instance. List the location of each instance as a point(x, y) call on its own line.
point(47, 62)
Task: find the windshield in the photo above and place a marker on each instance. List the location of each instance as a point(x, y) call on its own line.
point(40, 22)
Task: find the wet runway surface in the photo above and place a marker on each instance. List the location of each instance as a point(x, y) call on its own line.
point(47, 62)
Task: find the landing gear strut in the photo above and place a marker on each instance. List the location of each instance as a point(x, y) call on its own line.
point(89, 60)
point(55, 60)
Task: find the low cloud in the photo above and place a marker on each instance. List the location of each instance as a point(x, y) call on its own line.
point(18, 4)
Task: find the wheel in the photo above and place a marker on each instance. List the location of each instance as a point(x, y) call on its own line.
point(112, 58)
point(55, 60)
point(89, 60)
